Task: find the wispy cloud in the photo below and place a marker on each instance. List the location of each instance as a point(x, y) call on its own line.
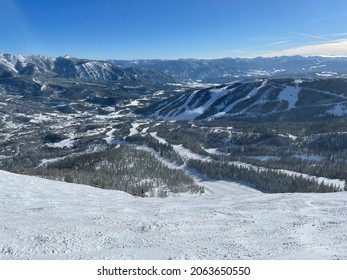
point(334, 44)
point(339, 34)
point(331, 48)
point(278, 43)
point(309, 36)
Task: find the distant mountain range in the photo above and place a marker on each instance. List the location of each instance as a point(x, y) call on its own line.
point(162, 71)
point(227, 69)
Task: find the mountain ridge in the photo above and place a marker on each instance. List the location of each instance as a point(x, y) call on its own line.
point(74, 68)
point(225, 70)
point(265, 99)
point(221, 70)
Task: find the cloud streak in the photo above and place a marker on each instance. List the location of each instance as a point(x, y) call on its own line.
point(335, 48)
point(278, 43)
point(309, 35)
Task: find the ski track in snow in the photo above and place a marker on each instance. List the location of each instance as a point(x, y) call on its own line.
point(252, 93)
point(191, 114)
point(43, 219)
point(187, 154)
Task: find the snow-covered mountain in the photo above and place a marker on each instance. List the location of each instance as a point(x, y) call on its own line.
point(228, 69)
point(69, 67)
point(42, 219)
point(162, 71)
point(266, 99)
point(13, 65)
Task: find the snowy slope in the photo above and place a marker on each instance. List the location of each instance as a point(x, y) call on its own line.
point(42, 219)
point(28, 65)
point(290, 95)
point(265, 99)
point(70, 67)
point(188, 114)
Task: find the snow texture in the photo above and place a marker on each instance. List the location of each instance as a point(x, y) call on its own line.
point(290, 94)
point(43, 219)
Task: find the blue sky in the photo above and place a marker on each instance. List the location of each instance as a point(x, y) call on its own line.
point(170, 29)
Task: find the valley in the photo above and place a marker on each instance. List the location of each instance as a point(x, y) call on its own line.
point(78, 131)
point(137, 153)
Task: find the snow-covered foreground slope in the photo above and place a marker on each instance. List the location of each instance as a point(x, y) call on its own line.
point(42, 219)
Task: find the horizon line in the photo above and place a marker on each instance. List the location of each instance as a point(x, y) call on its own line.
point(174, 59)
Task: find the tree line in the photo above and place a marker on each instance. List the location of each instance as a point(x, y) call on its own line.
point(271, 181)
point(125, 168)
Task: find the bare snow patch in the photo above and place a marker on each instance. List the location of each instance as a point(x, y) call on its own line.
point(264, 158)
point(215, 151)
point(66, 143)
point(339, 110)
point(109, 136)
point(134, 130)
point(160, 140)
point(187, 154)
point(133, 103)
point(290, 94)
point(326, 74)
point(309, 157)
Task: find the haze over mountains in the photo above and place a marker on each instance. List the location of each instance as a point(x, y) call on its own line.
point(214, 70)
point(226, 69)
